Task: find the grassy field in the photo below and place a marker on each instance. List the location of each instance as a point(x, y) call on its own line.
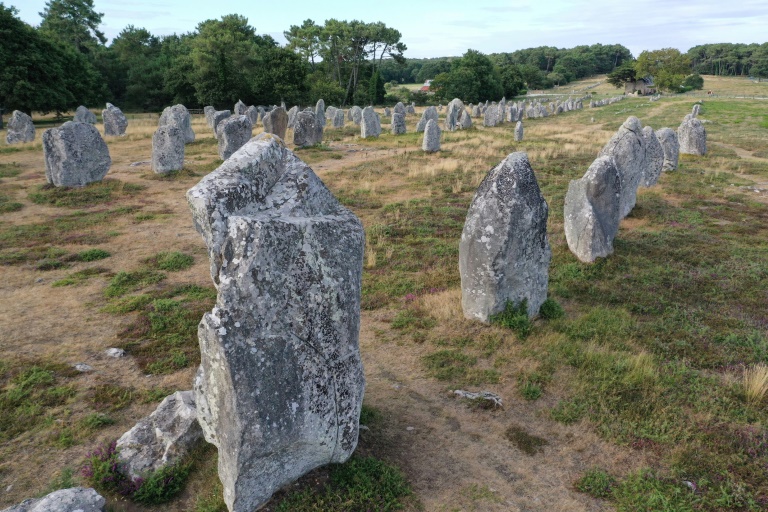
point(643, 393)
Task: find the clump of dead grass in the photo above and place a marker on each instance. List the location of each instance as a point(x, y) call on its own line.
point(755, 382)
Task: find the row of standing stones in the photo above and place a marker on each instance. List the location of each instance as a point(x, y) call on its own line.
point(280, 385)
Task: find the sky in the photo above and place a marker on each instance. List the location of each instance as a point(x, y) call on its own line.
point(450, 27)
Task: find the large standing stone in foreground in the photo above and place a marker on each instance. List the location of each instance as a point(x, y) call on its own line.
point(20, 128)
point(429, 113)
point(504, 252)
point(179, 115)
point(627, 147)
point(370, 126)
point(432, 132)
point(233, 133)
point(453, 114)
point(654, 158)
point(591, 214)
point(74, 499)
point(217, 118)
point(115, 121)
point(83, 115)
point(398, 124)
point(276, 121)
point(75, 155)
point(692, 137)
point(161, 439)
point(167, 149)
point(519, 131)
point(306, 130)
point(280, 385)
point(240, 108)
point(668, 140)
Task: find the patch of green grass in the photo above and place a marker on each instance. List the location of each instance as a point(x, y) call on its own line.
point(525, 442)
point(171, 261)
point(9, 170)
point(458, 368)
point(112, 397)
point(515, 317)
point(64, 480)
point(551, 310)
point(79, 277)
point(185, 173)
point(125, 282)
point(568, 412)
point(7, 205)
point(92, 255)
point(89, 195)
point(597, 483)
point(96, 421)
point(128, 304)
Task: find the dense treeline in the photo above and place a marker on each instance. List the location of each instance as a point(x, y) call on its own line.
point(730, 59)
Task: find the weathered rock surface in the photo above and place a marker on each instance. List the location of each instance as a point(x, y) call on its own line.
point(161, 439)
point(75, 155)
point(208, 112)
point(292, 116)
point(491, 117)
point(504, 252)
point(115, 121)
point(178, 115)
point(429, 113)
point(400, 108)
point(306, 130)
point(217, 118)
point(240, 108)
point(692, 137)
point(356, 115)
point(465, 120)
point(410, 109)
point(167, 149)
point(276, 121)
point(696, 110)
point(453, 114)
point(431, 141)
point(20, 128)
point(75, 499)
point(370, 126)
point(83, 115)
point(398, 124)
point(320, 112)
point(280, 385)
point(338, 119)
point(654, 158)
point(591, 214)
point(253, 114)
point(519, 131)
point(627, 147)
point(233, 133)
point(668, 140)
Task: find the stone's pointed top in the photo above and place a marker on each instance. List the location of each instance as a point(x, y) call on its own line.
point(83, 115)
point(669, 143)
point(633, 124)
point(178, 115)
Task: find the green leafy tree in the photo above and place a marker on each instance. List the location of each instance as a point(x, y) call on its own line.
point(376, 89)
point(73, 22)
point(693, 81)
point(473, 78)
point(305, 40)
point(667, 66)
point(623, 74)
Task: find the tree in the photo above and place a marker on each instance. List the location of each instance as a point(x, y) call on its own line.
point(667, 66)
point(73, 22)
point(473, 78)
point(693, 81)
point(376, 89)
point(305, 40)
point(623, 74)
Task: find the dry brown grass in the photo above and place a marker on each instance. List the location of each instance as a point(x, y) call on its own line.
point(755, 383)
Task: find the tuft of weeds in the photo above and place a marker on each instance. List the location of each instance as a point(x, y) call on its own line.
point(755, 383)
point(91, 255)
point(551, 310)
point(125, 282)
point(94, 193)
point(597, 483)
point(7, 205)
point(171, 261)
point(112, 397)
point(9, 170)
point(96, 421)
point(458, 369)
point(525, 442)
point(515, 317)
point(79, 277)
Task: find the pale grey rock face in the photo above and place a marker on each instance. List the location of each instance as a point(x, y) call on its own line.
point(217, 118)
point(519, 131)
point(476, 111)
point(20, 128)
point(281, 383)
point(292, 116)
point(115, 121)
point(398, 124)
point(370, 126)
point(83, 115)
point(75, 499)
point(161, 439)
point(502, 111)
point(75, 155)
point(465, 120)
point(208, 112)
point(387, 112)
point(356, 114)
point(453, 114)
point(591, 213)
point(320, 112)
point(654, 158)
point(400, 108)
point(410, 110)
point(276, 121)
point(431, 141)
point(179, 115)
point(491, 117)
point(627, 147)
point(240, 108)
point(167, 149)
point(429, 113)
point(330, 113)
point(253, 114)
point(338, 119)
point(306, 130)
point(668, 140)
point(233, 133)
point(260, 111)
point(504, 252)
point(692, 137)
point(696, 110)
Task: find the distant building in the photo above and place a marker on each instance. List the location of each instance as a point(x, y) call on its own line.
point(425, 87)
point(643, 86)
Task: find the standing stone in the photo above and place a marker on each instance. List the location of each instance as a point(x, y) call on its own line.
point(83, 115)
point(387, 112)
point(504, 252)
point(179, 115)
point(75, 155)
point(398, 124)
point(74, 499)
point(292, 116)
point(627, 147)
point(161, 439)
point(20, 128)
point(115, 121)
point(668, 140)
point(465, 120)
point(167, 149)
point(330, 113)
point(519, 131)
point(240, 108)
point(692, 137)
point(654, 158)
point(276, 121)
point(356, 113)
point(696, 110)
point(281, 383)
point(320, 112)
point(453, 114)
point(338, 119)
point(233, 133)
point(253, 114)
point(476, 111)
point(592, 211)
point(208, 112)
point(491, 117)
point(400, 108)
point(429, 113)
point(217, 118)
point(306, 131)
point(370, 125)
point(261, 113)
point(432, 132)
point(410, 109)
point(502, 114)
